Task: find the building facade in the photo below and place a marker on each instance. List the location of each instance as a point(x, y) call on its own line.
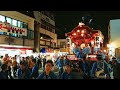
point(62, 45)
point(45, 36)
point(114, 38)
point(16, 33)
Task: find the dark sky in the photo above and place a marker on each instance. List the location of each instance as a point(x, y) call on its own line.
point(68, 20)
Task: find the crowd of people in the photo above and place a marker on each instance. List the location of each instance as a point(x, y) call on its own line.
point(29, 67)
point(106, 67)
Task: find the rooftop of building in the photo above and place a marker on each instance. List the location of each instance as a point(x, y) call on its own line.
point(28, 13)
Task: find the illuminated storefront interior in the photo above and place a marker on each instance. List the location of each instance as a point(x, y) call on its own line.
point(13, 50)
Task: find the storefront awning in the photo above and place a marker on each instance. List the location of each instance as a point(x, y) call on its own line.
point(15, 47)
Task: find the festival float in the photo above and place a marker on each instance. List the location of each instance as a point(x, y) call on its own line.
point(81, 35)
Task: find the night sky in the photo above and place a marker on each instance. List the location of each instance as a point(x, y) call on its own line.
point(68, 20)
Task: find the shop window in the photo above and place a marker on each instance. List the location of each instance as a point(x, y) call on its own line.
point(9, 20)
point(14, 22)
point(15, 35)
point(19, 23)
point(30, 34)
point(25, 25)
point(2, 18)
point(1, 33)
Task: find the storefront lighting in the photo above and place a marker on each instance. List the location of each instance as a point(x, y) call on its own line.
point(41, 37)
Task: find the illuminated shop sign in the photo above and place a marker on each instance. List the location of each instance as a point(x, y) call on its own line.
point(5, 27)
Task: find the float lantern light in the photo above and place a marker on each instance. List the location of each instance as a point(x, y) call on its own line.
point(74, 34)
point(78, 30)
point(82, 35)
point(83, 31)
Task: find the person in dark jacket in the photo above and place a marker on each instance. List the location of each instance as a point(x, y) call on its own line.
point(116, 68)
point(23, 72)
point(65, 60)
point(3, 73)
point(60, 64)
point(34, 73)
point(67, 74)
point(48, 73)
point(44, 61)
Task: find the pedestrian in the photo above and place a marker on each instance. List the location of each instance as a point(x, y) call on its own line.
point(3, 72)
point(34, 73)
point(23, 72)
point(14, 66)
point(30, 64)
point(68, 74)
point(48, 73)
point(60, 65)
point(116, 68)
point(44, 62)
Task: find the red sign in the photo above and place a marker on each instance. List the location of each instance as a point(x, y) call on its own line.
point(11, 28)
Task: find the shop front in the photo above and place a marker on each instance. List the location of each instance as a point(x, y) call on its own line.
point(13, 50)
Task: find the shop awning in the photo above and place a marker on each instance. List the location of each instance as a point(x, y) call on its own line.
point(15, 47)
